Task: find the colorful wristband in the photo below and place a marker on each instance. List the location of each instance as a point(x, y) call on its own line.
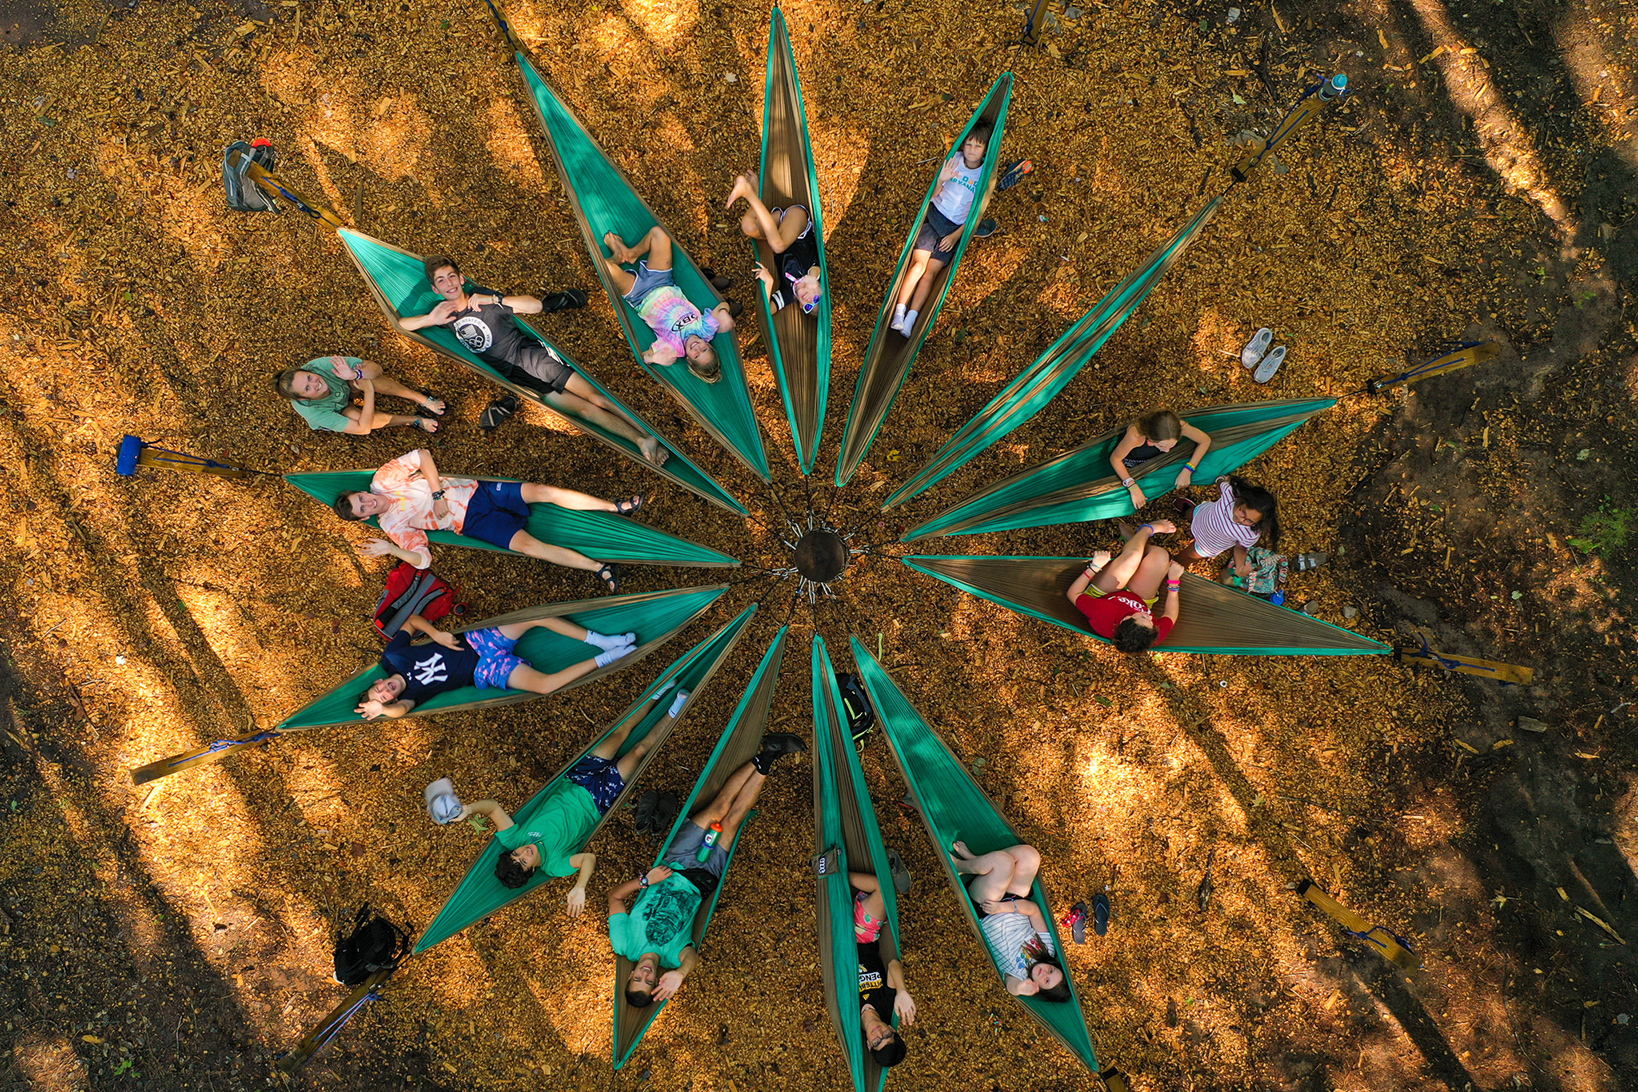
point(1190, 467)
point(1150, 526)
point(1128, 482)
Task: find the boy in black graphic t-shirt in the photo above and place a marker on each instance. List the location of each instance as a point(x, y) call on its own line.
point(881, 977)
point(483, 658)
point(484, 322)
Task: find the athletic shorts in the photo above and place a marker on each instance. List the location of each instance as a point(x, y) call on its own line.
point(496, 512)
point(866, 929)
point(495, 660)
point(1098, 593)
point(647, 280)
point(934, 228)
point(685, 849)
point(600, 777)
point(549, 370)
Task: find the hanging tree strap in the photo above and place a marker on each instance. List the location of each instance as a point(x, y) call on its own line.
point(1388, 944)
point(276, 187)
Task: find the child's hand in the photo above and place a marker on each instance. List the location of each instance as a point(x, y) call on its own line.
point(949, 240)
point(448, 640)
point(1100, 558)
point(1244, 569)
point(1139, 498)
point(1184, 477)
point(576, 902)
point(1174, 571)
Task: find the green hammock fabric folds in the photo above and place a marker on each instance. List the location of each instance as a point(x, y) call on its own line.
point(398, 282)
point(798, 344)
point(603, 201)
point(846, 839)
point(741, 740)
point(890, 354)
point(603, 536)
point(1214, 617)
point(654, 616)
point(480, 893)
point(1039, 384)
point(953, 808)
point(1078, 486)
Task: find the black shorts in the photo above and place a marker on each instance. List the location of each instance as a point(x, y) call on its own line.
point(702, 879)
point(547, 367)
point(979, 910)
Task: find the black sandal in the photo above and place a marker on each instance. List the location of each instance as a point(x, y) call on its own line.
point(610, 576)
point(496, 413)
point(569, 299)
point(629, 507)
point(718, 281)
point(735, 309)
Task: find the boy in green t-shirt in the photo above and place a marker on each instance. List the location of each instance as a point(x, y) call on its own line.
point(657, 932)
point(322, 391)
point(574, 803)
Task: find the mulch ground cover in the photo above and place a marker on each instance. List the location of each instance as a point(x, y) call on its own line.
point(178, 935)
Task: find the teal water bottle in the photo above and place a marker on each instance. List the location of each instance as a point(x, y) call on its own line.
point(712, 833)
point(1335, 87)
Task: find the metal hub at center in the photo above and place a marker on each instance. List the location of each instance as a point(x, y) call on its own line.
point(820, 556)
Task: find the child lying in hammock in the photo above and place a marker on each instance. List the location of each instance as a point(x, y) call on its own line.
point(1013, 926)
point(1149, 437)
point(681, 330)
point(951, 208)
point(1116, 594)
point(789, 234)
point(481, 658)
point(881, 985)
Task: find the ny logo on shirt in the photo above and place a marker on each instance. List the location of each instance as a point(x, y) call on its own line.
point(431, 670)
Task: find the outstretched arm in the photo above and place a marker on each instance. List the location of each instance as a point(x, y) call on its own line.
point(370, 710)
point(1174, 580)
point(903, 1003)
point(1082, 582)
point(1202, 444)
point(442, 314)
point(576, 901)
point(1116, 463)
point(490, 810)
point(416, 624)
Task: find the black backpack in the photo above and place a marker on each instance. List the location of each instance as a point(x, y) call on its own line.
point(375, 944)
point(243, 195)
point(857, 714)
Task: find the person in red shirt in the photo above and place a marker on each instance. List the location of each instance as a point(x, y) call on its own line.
point(1117, 594)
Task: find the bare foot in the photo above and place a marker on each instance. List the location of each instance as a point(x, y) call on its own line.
point(437, 405)
point(960, 851)
point(742, 188)
point(616, 247)
point(653, 451)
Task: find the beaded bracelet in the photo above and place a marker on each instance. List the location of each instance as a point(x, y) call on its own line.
point(1190, 467)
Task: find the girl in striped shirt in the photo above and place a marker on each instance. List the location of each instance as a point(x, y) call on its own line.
point(1242, 516)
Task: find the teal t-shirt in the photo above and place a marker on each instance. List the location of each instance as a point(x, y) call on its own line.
point(325, 414)
point(661, 921)
point(557, 826)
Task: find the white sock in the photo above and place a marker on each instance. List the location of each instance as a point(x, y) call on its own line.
point(898, 315)
point(606, 642)
point(909, 322)
point(613, 654)
point(677, 703)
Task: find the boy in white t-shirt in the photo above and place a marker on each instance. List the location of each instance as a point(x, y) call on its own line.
point(952, 206)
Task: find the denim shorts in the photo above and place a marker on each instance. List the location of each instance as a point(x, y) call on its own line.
point(495, 660)
point(496, 512)
point(647, 280)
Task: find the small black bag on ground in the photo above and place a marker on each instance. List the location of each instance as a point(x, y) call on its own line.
point(243, 195)
point(374, 944)
point(857, 714)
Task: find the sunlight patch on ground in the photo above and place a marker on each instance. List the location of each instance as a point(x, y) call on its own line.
point(49, 1063)
point(509, 146)
point(666, 23)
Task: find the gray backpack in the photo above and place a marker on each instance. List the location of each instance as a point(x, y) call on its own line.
point(243, 195)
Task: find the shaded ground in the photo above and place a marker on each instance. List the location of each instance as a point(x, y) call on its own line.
point(178, 935)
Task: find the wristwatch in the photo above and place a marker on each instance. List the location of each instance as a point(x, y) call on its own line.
point(642, 881)
point(437, 494)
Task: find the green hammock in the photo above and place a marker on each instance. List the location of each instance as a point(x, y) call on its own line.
point(600, 535)
point(480, 893)
point(397, 280)
point(798, 344)
point(953, 808)
point(654, 616)
point(890, 355)
point(1213, 618)
point(846, 839)
point(603, 200)
point(1078, 487)
point(741, 740)
point(1040, 383)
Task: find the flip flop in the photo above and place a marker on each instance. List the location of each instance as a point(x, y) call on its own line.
point(569, 299)
point(1256, 347)
point(664, 814)
point(1014, 173)
point(901, 875)
point(427, 424)
point(718, 281)
point(1271, 364)
point(1077, 922)
point(1100, 914)
point(431, 397)
point(735, 309)
point(985, 229)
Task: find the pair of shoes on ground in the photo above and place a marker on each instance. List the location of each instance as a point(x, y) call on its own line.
point(1076, 919)
point(656, 811)
point(1256, 356)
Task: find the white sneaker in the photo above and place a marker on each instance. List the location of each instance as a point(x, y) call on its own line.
point(897, 321)
point(1256, 347)
point(1271, 364)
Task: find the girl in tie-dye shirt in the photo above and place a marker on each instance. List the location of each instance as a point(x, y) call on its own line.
point(681, 330)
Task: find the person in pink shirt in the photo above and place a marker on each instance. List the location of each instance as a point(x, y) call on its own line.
point(1117, 594)
point(681, 330)
point(408, 498)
